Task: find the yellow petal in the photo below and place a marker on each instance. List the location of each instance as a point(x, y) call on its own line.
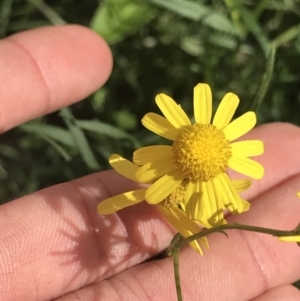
point(192, 199)
point(160, 126)
point(208, 199)
point(247, 167)
point(164, 186)
point(298, 194)
point(195, 207)
point(185, 226)
point(247, 148)
point(154, 170)
point(202, 103)
point(230, 197)
point(241, 185)
point(246, 205)
point(212, 206)
point(226, 110)
point(121, 201)
point(152, 153)
point(240, 126)
point(123, 167)
point(172, 111)
point(189, 191)
point(295, 238)
point(217, 206)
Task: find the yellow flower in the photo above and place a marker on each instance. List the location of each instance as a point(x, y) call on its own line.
point(199, 156)
point(298, 194)
point(187, 180)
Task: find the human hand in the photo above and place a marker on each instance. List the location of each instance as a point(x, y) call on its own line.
point(55, 246)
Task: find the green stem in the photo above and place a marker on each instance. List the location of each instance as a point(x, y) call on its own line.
point(178, 242)
point(277, 233)
point(266, 79)
point(177, 274)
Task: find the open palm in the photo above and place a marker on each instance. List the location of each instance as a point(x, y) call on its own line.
point(55, 246)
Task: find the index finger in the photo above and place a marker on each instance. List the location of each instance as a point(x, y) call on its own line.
point(45, 69)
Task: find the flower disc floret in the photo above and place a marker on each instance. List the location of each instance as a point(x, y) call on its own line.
point(201, 152)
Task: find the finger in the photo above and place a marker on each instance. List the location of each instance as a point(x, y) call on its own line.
point(243, 267)
point(281, 293)
point(104, 291)
point(280, 144)
point(45, 69)
point(59, 229)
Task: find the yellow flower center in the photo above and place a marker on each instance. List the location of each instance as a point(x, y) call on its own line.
point(201, 151)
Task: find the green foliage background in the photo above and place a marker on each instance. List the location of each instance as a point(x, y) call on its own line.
point(158, 46)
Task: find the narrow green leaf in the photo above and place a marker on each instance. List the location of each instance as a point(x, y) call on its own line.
point(188, 9)
point(79, 139)
point(254, 27)
point(53, 132)
point(263, 88)
point(114, 20)
point(287, 35)
point(198, 12)
point(10, 152)
point(235, 16)
point(227, 42)
point(59, 149)
point(106, 129)
point(260, 7)
point(3, 172)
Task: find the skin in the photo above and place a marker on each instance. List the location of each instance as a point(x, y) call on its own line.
point(55, 246)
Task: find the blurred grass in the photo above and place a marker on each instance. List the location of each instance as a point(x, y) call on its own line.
point(158, 46)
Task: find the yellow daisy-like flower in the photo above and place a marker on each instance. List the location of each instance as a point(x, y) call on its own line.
point(199, 156)
point(187, 180)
